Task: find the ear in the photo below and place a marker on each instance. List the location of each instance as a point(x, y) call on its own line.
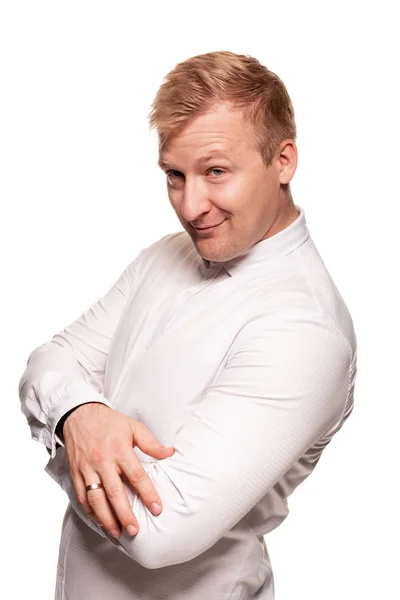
point(287, 160)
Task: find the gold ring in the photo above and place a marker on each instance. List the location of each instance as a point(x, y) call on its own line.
point(94, 486)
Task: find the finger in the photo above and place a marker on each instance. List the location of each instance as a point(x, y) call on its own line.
point(147, 442)
point(99, 505)
point(116, 495)
point(140, 480)
point(80, 490)
point(95, 519)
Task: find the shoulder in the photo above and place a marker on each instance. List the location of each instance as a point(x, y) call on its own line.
point(300, 288)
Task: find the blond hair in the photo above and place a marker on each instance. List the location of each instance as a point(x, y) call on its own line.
point(201, 82)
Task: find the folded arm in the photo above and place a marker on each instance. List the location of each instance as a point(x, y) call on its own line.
point(285, 385)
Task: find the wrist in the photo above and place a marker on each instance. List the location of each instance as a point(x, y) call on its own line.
point(59, 431)
point(84, 407)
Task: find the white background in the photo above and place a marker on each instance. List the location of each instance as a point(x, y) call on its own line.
point(81, 195)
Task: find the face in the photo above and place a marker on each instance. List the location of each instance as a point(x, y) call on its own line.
point(222, 192)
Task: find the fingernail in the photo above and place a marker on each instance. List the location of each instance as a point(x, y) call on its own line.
point(115, 532)
point(132, 530)
point(155, 508)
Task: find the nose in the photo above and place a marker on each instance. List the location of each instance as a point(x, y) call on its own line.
point(194, 200)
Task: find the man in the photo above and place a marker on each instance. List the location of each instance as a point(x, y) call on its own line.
point(227, 342)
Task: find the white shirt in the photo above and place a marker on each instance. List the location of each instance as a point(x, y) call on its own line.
point(247, 368)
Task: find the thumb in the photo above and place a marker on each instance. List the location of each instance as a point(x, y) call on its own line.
point(146, 441)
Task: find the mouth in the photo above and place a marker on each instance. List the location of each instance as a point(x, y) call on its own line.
point(205, 229)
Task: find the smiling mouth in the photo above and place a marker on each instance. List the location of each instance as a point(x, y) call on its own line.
point(208, 228)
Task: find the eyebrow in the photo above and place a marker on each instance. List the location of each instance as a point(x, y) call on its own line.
point(203, 159)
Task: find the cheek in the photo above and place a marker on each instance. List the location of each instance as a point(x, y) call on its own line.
point(231, 196)
point(245, 188)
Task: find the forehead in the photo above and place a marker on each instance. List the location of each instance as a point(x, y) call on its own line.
point(217, 134)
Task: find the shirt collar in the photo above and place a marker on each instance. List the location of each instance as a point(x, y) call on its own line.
point(279, 244)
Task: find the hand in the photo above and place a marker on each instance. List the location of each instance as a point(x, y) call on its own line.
point(99, 445)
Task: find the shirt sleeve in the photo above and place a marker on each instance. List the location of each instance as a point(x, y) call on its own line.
point(69, 369)
point(286, 383)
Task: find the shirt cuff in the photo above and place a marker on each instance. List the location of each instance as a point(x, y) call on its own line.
point(75, 395)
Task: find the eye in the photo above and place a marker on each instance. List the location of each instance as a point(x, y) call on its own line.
point(171, 171)
point(216, 169)
point(174, 173)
